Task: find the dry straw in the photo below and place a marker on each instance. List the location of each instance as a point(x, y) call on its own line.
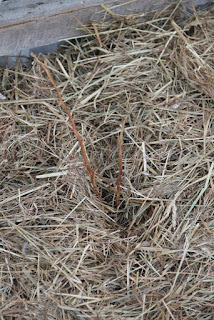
point(137, 241)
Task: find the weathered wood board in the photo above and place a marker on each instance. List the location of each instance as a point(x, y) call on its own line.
point(27, 24)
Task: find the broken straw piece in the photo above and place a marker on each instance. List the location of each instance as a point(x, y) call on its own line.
point(52, 174)
point(2, 97)
point(144, 157)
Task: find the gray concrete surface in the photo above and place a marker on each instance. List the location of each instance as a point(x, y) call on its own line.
point(33, 25)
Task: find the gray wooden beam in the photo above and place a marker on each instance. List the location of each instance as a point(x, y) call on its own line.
point(27, 24)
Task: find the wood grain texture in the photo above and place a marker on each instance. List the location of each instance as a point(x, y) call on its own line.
point(27, 24)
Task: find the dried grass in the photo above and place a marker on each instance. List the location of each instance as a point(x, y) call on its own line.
point(66, 254)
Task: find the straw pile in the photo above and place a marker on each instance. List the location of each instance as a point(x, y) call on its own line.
point(67, 253)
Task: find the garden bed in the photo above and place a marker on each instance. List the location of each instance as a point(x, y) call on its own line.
point(124, 230)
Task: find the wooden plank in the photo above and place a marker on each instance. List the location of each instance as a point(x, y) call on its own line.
point(27, 24)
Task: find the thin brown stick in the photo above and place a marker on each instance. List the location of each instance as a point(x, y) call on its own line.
point(120, 161)
point(71, 118)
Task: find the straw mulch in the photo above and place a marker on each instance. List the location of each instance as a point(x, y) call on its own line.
point(67, 253)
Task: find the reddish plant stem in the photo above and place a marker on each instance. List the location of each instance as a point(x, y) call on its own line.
point(71, 118)
point(120, 161)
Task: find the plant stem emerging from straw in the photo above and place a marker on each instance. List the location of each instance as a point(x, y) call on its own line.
point(71, 118)
point(120, 161)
